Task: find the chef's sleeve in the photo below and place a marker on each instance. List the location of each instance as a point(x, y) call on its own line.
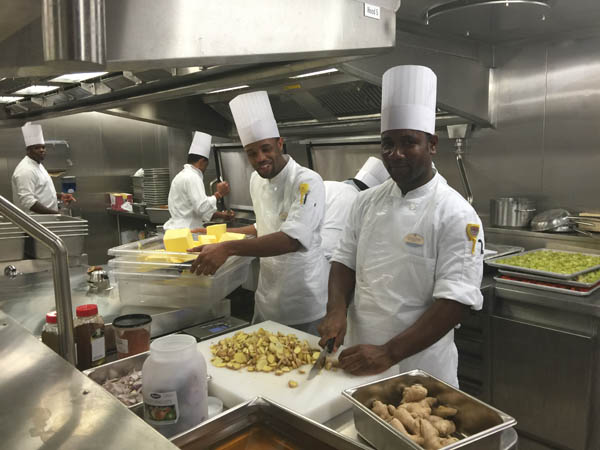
point(306, 213)
point(459, 266)
point(203, 206)
point(25, 184)
point(345, 251)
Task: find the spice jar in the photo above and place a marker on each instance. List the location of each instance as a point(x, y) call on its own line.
point(175, 388)
point(50, 331)
point(132, 334)
point(89, 337)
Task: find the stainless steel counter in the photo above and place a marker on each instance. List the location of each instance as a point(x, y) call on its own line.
point(49, 404)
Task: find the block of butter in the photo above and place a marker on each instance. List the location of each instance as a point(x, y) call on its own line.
point(232, 237)
point(205, 239)
point(216, 230)
point(178, 240)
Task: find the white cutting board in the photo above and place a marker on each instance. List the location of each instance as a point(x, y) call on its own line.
point(319, 399)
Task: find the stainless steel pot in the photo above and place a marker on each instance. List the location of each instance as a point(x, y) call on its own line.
point(511, 211)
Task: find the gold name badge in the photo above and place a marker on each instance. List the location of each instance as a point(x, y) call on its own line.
point(414, 240)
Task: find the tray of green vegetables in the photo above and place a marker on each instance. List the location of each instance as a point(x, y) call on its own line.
point(561, 264)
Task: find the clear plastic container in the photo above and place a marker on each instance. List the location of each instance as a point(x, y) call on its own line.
point(50, 331)
point(173, 285)
point(175, 386)
point(132, 334)
point(89, 337)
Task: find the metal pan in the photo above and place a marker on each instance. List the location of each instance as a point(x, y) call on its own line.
point(547, 288)
point(560, 221)
point(569, 276)
point(478, 423)
point(531, 276)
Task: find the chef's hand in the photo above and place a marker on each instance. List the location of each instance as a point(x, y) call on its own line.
point(365, 359)
point(67, 198)
point(223, 188)
point(211, 257)
point(198, 230)
point(333, 325)
point(225, 215)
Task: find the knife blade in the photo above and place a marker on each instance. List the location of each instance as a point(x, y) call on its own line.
point(318, 365)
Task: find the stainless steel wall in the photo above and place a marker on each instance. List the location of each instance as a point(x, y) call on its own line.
point(105, 151)
point(545, 99)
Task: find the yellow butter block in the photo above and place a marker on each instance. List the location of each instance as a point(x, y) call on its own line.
point(178, 240)
point(232, 237)
point(216, 230)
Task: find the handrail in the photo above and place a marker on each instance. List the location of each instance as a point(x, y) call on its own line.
point(60, 273)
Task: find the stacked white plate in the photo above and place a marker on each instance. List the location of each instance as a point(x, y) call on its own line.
point(156, 186)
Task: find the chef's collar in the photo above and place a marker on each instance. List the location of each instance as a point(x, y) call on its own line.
point(419, 192)
point(195, 168)
point(281, 176)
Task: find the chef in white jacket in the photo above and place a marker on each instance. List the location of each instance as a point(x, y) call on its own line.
point(289, 202)
point(410, 261)
point(32, 187)
point(340, 196)
point(189, 205)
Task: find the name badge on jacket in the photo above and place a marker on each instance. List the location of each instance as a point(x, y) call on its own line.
point(414, 240)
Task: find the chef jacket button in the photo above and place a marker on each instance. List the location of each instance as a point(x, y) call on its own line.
point(412, 206)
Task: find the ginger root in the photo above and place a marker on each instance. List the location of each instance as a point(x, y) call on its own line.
point(413, 437)
point(405, 418)
point(443, 426)
point(414, 393)
point(444, 411)
point(381, 410)
point(419, 409)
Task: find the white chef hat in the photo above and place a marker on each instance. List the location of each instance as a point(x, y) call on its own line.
point(408, 99)
point(200, 144)
point(373, 172)
point(253, 117)
point(32, 133)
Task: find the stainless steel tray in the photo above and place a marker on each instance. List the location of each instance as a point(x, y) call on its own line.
point(548, 279)
point(478, 423)
point(304, 432)
point(503, 250)
point(493, 263)
point(547, 288)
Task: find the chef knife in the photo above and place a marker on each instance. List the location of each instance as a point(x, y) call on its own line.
point(318, 365)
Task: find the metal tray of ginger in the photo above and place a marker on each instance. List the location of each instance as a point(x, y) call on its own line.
point(478, 425)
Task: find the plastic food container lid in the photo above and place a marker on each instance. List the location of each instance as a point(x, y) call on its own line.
point(132, 321)
point(86, 310)
point(51, 317)
point(215, 406)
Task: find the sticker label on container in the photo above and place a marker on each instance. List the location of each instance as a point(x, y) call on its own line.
point(98, 347)
point(372, 11)
point(122, 345)
point(161, 408)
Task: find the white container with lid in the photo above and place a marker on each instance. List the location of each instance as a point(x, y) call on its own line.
point(175, 386)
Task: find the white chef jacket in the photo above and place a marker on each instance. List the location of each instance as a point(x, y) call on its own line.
point(408, 251)
point(188, 204)
point(339, 199)
point(292, 288)
point(31, 184)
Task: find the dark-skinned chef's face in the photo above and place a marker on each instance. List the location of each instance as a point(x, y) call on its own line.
point(407, 156)
point(266, 156)
point(37, 152)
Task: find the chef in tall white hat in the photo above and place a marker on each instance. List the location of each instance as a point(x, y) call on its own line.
point(410, 261)
point(340, 196)
point(32, 187)
point(189, 205)
point(289, 202)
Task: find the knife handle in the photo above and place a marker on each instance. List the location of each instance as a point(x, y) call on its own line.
point(329, 344)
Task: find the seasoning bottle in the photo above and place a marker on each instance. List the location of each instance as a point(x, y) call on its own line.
point(50, 331)
point(132, 334)
point(89, 337)
point(175, 388)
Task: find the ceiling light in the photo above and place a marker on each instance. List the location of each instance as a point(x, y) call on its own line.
point(10, 99)
point(77, 77)
point(235, 88)
point(457, 5)
point(35, 90)
point(314, 74)
point(361, 116)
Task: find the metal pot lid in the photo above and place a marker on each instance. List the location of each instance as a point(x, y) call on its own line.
point(551, 219)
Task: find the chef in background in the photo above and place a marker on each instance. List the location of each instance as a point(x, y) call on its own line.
point(339, 198)
point(289, 202)
point(410, 261)
point(32, 187)
point(189, 205)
